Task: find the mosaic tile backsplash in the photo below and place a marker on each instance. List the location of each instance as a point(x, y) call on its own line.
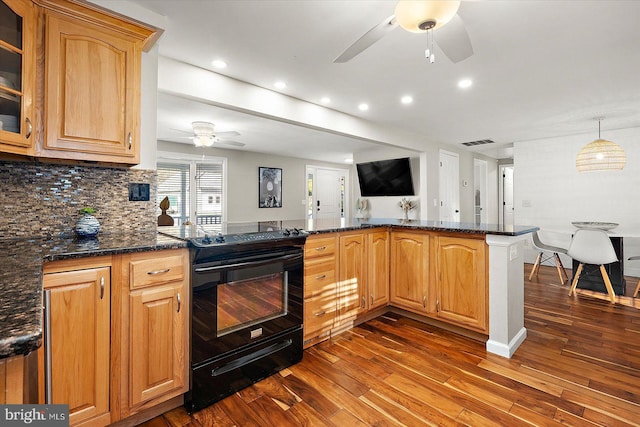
point(44, 199)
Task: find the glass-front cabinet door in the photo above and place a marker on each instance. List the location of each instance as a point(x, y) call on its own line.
point(17, 75)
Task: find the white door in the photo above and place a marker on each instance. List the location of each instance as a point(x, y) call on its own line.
point(480, 190)
point(449, 186)
point(328, 189)
point(506, 195)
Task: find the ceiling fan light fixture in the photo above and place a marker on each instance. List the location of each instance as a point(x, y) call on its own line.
point(601, 155)
point(203, 140)
point(421, 16)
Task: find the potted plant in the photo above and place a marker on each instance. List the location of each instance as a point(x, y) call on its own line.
point(88, 225)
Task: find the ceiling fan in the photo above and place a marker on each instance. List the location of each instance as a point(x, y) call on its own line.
point(204, 135)
point(421, 17)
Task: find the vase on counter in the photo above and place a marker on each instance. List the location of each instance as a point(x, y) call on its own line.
point(87, 226)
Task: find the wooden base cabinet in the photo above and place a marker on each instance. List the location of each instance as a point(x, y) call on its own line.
point(116, 336)
point(409, 270)
point(352, 284)
point(377, 268)
point(461, 281)
point(76, 355)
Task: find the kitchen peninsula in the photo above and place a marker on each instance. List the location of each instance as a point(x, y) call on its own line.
point(466, 275)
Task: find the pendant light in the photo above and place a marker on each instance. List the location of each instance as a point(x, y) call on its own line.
point(601, 155)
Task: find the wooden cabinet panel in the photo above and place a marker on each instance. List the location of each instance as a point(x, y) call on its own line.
point(352, 283)
point(319, 276)
point(409, 270)
point(80, 342)
point(92, 91)
point(461, 281)
point(157, 342)
point(378, 268)
point(12, 380)
point(146, 270)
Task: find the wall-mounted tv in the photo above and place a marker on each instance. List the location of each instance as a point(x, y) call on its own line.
point(385, 178)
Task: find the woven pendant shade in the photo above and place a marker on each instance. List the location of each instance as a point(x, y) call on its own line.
point(601, 155)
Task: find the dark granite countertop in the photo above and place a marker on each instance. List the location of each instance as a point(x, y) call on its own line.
point(345, 224)
point(21, 262)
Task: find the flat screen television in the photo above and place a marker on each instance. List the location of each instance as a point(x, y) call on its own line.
point(385, 178)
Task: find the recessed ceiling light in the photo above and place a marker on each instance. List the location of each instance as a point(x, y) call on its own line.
point(465, 83)
point(325, 100)
point(219, 64)
point(407, 99)
point(280, 85)
point(363, 107)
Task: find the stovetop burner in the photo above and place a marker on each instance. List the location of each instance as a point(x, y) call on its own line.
point(241, 238)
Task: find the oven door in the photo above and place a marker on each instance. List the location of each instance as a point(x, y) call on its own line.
point(238, 302)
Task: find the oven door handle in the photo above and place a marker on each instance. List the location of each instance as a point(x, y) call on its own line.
point(290, 257)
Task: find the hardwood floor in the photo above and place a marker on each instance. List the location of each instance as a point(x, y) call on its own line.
point(579, 366)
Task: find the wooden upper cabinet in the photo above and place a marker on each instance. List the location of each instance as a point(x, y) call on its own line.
point(409, 270)
point(17, 75)
point(461, 281)
point(378, 268)
point(92, 77)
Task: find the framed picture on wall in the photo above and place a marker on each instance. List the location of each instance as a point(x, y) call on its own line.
point(269, 187)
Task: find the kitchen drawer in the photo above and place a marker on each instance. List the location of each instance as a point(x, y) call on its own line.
point(152, 271)
point(319, 276)
point(320, 246)
point(320, 313)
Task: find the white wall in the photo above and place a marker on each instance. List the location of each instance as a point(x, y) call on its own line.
point(550, 193)
point(242, 181)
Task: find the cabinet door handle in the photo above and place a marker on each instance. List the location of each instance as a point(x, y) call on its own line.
point(424, 301)
point(153, 273)
point(179, 298)
point(29, 127)
point(321, 313)
point(437, 305)
point(48, 386)
point(320, 277)
point(363, 302)
point(321, 248)
point(130, 138)
point(371, 299)
point(101, 287)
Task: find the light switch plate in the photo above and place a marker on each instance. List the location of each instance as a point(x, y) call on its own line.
point(139, 192)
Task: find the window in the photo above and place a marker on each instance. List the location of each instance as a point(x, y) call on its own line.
point(195, 190)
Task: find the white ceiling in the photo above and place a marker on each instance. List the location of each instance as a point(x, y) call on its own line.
point(540, 69)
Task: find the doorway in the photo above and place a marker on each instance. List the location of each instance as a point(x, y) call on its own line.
point(506, 195)
point(327, 192)
point(449, 186)
point(480, 189)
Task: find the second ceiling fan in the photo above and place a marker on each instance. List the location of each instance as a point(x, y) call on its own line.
point(204, 135)
point(421, 17)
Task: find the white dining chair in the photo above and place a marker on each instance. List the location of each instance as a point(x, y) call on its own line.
point(590, 246)
point(635, 293)
point(544, 248)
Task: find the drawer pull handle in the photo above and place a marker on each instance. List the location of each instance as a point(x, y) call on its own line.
point(153, 273)
point(179, 298)
point(321, 248)
point(320, 277)
point(322, 313)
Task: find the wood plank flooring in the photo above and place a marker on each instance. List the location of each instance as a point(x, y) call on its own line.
point(579, 366)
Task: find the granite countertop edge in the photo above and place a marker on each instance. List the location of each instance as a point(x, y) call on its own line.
point(21, 274)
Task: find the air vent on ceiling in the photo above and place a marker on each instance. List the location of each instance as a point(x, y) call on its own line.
point(479, 142)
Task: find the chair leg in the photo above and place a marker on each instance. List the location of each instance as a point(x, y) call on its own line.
point(572, 291)
point(536, 266)
point(561, 273)
point(607, 283)
point(635, 294)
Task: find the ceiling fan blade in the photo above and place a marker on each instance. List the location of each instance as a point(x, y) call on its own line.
point(227, 134)
point(369, 38)
point(232, 143)
point(182, 131)
point(454, 40)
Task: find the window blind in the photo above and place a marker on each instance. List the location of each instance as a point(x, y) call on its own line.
point(173, 182)
point(209, 193)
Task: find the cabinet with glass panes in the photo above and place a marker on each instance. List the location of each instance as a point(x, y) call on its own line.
point(17, 75)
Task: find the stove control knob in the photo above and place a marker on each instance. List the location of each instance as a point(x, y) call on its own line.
point(207, 240)
point(219, 238)
point(296, 231)
point(286, 232)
